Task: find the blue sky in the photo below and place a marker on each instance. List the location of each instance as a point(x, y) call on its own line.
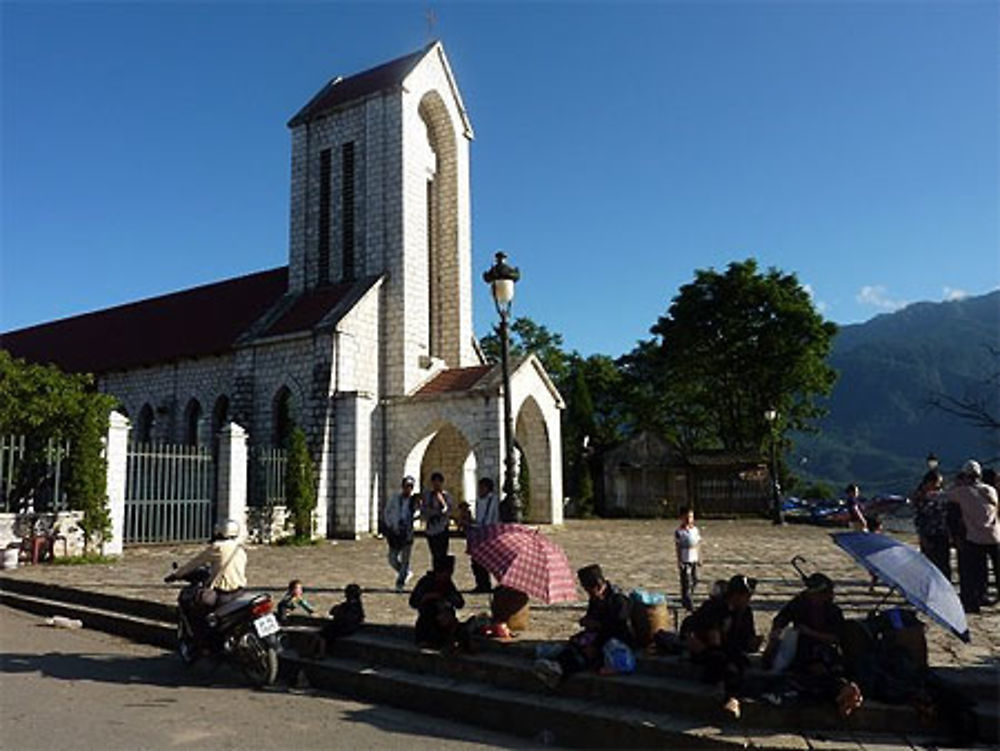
point(619, 147)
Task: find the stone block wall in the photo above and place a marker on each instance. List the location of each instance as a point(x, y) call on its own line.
point(169, 388)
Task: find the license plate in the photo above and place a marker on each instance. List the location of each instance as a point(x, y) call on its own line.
point(266, 625)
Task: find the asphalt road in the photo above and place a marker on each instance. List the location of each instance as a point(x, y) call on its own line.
point(64, 690)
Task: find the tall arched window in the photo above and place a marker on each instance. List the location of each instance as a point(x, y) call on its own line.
point(192, 422)
point(284, 418)
point(143, 431)
point(442, 230)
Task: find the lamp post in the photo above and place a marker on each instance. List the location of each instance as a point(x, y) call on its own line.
point(501, 278)
point(777, 516)
point(932, 461)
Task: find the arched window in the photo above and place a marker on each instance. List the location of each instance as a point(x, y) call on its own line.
point(192, 422)
point(442, 230)
point(284, 418)
point(220, 415)
point(144, 425)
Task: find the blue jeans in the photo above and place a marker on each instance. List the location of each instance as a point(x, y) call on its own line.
point(399, 559)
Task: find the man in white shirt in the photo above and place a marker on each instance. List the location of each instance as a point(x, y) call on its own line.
point(487, 514)
point(397, 518)
point(687, 543)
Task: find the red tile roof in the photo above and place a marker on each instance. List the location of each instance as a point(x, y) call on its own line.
point(455, 380)
point(194, 322)
point(342, 90)
point(309, 309)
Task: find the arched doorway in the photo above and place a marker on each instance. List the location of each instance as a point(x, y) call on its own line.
point(446, 450)
point(535, 459)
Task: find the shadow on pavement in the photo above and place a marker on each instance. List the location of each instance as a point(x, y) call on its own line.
point(162, 670)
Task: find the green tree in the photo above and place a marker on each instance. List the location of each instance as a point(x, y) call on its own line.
point(300, 485)
point(578, 433)
point(526, 337)
point(730, 346)
point(86, 486)
point(42, 403)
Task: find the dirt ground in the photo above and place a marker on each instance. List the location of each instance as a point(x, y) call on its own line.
point(633, 553)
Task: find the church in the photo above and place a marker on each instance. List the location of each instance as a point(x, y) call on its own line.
point(365, 339)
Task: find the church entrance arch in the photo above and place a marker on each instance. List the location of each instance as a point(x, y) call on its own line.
point(535, 455)
point(448, 451)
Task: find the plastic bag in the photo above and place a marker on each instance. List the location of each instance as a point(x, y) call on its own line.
point(618, 657)
point(644, 597)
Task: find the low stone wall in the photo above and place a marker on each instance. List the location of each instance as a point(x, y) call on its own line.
point(65, 524)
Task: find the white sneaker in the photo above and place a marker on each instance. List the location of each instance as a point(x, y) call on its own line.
point(409, 575)
point(548, 672)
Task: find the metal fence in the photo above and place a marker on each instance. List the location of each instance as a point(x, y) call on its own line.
point(32, 480)
point(267, 476)
point(169, 493)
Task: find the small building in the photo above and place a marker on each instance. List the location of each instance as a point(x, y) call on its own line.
point(647, 476)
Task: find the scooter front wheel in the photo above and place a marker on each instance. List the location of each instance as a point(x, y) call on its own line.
point(187, 650)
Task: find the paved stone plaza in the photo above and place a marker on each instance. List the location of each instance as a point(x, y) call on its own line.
point(634, 553)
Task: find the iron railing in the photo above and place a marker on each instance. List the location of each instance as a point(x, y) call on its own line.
point(31, 481)
point(169, 493)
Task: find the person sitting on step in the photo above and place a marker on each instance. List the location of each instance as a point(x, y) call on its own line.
point(607, 617)
point(436, 600)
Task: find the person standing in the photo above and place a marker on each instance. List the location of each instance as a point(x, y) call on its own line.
point(978, 503)
point(855, 516)
point(487, 514)
point(397, 517)
point(435, 510)
point(687, 543)
point(931, 521)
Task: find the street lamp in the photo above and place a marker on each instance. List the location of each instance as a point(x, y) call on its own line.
point(501, 278)
point(932, 461)
point(777, 516)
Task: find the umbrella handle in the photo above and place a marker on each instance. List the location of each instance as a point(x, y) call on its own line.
point(880, 603)
point(795, 564)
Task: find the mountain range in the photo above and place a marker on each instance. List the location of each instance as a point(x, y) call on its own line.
point(881, 424)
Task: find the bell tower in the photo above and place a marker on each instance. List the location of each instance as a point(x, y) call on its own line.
point(380, 187)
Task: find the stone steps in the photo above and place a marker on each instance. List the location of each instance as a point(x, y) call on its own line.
point(657, 707)
point(511, 668)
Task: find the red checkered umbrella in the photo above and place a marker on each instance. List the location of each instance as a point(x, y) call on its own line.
point(523, 558)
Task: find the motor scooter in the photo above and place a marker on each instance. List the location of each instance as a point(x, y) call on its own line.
point(244, 631)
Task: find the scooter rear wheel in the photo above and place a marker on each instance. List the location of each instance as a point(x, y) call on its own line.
point(259, 660)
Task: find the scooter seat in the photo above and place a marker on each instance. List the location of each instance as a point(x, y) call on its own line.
point(233, 605)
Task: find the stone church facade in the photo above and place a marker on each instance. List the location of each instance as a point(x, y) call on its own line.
point(365, 339)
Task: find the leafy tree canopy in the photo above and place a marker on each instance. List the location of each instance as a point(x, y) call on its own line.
point(526, 336)
point(730, 346)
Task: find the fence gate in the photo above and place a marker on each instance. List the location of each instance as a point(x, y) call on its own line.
point(169, 493)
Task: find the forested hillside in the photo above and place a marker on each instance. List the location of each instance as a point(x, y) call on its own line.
point(881, 423)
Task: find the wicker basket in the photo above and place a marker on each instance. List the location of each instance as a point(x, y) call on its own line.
point(647, 620)
point(510, 606)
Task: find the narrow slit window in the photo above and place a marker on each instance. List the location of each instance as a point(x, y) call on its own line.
point(347, 167)
point(323, 249)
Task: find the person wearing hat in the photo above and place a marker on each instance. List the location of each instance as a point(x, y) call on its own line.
point(978, 504)
point(436, 600)
point(607, 617)
point(226, 561)
point(720, 634)
point(817, 664)
point(397, 518)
